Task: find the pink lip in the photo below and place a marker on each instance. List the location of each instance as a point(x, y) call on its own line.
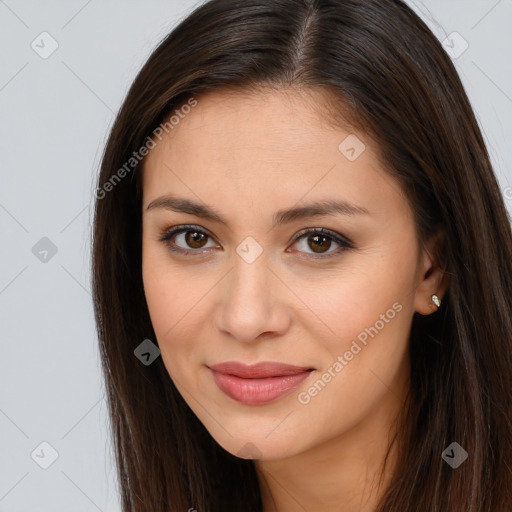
point(259, 383)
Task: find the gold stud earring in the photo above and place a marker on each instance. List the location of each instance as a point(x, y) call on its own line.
point(436, 300)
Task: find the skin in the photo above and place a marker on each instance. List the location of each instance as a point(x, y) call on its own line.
point(247, 156)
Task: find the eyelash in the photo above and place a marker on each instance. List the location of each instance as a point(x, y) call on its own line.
point(345, 243)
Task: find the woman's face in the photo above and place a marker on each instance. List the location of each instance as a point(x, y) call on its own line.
point(250, 283)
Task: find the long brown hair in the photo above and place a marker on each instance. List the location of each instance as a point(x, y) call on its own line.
point(387, 75)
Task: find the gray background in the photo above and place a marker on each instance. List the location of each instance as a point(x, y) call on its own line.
point(56, 113)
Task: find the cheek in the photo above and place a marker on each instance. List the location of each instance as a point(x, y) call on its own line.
point(167, 287)
point(376, 292)
point(368, 313)
point(364, 354)
point(177, 299)
point(168, 296)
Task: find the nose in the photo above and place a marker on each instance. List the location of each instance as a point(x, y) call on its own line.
point(252, 302)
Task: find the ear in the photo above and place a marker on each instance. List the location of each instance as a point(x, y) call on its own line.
point(431, 277)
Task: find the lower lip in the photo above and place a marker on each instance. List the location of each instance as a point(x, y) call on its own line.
point(257, 391)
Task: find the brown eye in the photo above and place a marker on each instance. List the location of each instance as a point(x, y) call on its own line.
point(185, 239)
point(319, 243)
point(195, 239)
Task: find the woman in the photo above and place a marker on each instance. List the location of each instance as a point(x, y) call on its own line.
point(252, 365)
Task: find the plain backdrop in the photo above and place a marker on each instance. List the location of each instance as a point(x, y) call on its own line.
point(56, 110)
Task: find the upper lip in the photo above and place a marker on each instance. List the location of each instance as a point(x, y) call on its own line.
point(258, 370)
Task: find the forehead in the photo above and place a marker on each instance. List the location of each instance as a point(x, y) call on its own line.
point(254, 124)
point(267, 115)
point(259, 147)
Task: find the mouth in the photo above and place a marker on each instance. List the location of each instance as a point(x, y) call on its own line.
point(260, 383)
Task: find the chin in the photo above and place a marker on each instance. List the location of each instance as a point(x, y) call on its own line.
point(257, 444)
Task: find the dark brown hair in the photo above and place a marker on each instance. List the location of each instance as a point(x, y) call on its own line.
point(387, 75)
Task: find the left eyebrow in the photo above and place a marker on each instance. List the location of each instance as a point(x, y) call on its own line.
point(281, 217)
